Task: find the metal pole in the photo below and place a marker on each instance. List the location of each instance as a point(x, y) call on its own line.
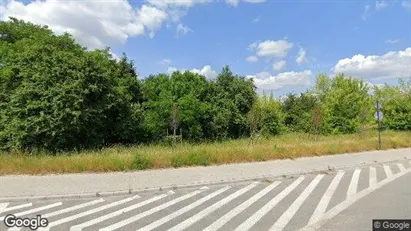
point(379, 125)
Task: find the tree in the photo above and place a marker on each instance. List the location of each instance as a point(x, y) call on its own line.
point(298, 111)
point(56, 95)
point(343, 104)
point(396, 101)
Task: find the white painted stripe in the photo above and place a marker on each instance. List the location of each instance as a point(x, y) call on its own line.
point(190, 221)
point(183, 210)
point(387, 171)
point(149, 212)
point(401, 167)
point(352, 188)
point(290, 212)
point(35, 210)
point(86, 213)
point(66, 210)
point(3, 206)
point(17, 207)
point(325, 200)
point(345, 204)
point(251, 221)
point(373, 176)
point(116, 213)
point(237, 210)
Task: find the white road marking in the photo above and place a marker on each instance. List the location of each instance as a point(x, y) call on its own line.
point(66, 210)
point(251, 221)
point(401, 167)
point(387, 170)
point(190, 221)
point(237, 210)
point(352, 188)
point(3, 206)
point(35, 210)
point(149, 212)
point(373, 176)
point(165, 219)
point(116, 213)
point(86, 213)
point(345, 204)
point(290, 212)
point(15, 207)
point(325, 200)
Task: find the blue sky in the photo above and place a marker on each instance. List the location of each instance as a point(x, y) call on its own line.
point(281, 44)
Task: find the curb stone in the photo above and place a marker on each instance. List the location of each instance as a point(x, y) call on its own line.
point(282, 176)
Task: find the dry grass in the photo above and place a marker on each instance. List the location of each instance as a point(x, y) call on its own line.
point(233, 151)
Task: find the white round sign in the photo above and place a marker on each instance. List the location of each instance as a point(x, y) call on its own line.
point(379, 115)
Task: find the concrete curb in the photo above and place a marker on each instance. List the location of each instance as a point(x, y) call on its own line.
point(285, 175)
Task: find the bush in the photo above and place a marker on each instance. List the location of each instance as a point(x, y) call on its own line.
point(192, 159)
point(141, 162)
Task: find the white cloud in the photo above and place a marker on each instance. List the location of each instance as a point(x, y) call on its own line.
point(365, 14)
point(206, 71)
point(165, 62)
point(171, 70)
point(96, 25)
point(301, 56)
point(406, 4)
point(232, 2)
point(252, 59)
point(151, 17)
point(254, 1)
point(115, 56)
point(175, 3)
point(392, 41)
point(183, 30)
point(379, 5)
point(372, 85)
point(285, 79)
point(93, 24)
point(278, 66)
point(253, 45)
point(256, 19)
point(389, 65)
point(272, 48)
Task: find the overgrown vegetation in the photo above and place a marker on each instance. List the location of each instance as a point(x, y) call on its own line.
point(57, 97)
point(120, 158)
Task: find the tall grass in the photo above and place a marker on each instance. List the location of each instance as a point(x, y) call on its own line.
point(119, 158)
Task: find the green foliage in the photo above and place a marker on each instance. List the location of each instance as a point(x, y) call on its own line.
point(192, 159)
point(396, 101)
point(141, 163)
point(298, 111)
point(206, 109)
point(56, 95)
point(343, 104)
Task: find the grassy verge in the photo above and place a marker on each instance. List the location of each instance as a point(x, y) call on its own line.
point(234, 151)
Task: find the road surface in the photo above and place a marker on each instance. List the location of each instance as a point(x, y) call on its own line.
point(343, 199)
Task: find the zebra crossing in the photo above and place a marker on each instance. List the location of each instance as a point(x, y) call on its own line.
point(298, 203)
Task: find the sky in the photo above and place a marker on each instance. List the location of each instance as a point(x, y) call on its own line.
point(281, 44)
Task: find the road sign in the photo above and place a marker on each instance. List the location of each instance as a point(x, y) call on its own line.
point(378, 105)
point(379, 116)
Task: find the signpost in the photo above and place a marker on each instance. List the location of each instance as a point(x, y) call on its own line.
point(379, 116)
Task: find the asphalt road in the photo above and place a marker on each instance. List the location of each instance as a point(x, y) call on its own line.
point(346, 199)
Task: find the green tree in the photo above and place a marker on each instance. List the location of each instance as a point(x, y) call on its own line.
point(298, 111)
point(56, 95)
point(343, 104)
